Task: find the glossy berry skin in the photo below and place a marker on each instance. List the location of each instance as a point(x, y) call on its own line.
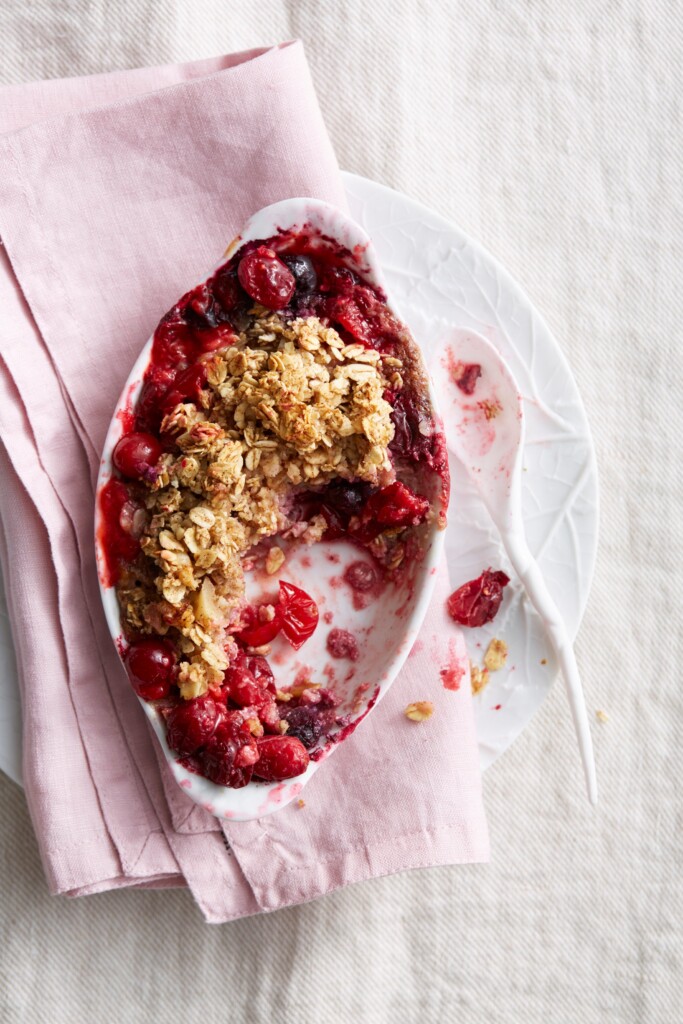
point(190, 724)
point(304, 273)
point(280, 757)
point(186, 387)
point(136, 455)
point(256, 633)
point(151, 667)
point(243, 689)
point(223, 759)
point(298, 614)
point(477, 602)
point(396, 506)
point(265, 278)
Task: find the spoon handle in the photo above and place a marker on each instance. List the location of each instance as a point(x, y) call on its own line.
point(542, 600)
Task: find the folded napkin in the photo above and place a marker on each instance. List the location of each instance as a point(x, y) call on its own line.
point(117, 193)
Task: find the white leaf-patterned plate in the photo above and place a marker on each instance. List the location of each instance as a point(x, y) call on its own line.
point(437, 278)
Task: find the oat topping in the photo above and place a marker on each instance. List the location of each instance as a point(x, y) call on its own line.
point(479, 677)
point(496, 655)
point(289, 403)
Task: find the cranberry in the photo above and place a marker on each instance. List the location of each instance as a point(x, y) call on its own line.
point(342, 644)
point(408, 441)
point(298, 614)
point(227, 290)
point(478, 601)
point(243, 688)
point(304, 273)
point(266, 278)
point(361, 576)
point(187, 386)
point(222, 760)
point(199, 311)
point(174, 342)
point(190, 724)
point(136, 455)
point(119, 544)
point(345, 313)
point(256, 633)
point(149, 411)
point(467, 377)
point(281, 757)
point(151, 666)
point(337, 280)
point(393, 507)
point(262, 672)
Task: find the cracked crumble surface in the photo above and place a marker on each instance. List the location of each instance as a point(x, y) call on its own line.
point(289, 403)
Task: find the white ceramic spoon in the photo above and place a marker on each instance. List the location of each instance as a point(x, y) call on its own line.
point(485, 432)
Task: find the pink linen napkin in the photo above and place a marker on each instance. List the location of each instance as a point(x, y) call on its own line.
point(117, 193)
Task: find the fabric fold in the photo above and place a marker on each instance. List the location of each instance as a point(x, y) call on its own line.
point(117, 194)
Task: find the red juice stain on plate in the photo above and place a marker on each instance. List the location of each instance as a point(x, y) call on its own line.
point(497, 707)
point(327, 618)
point(306, 562)
point(333, 557)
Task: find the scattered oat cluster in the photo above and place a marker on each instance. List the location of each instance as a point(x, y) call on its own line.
point(420, 711)
point(494, 659)
point(288, 403)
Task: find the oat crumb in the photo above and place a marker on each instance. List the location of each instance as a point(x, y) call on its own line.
point(496, 655)
point(420, 711)
point(274, 560)
point(479, 677)
point(300, 803)
point(602, 716)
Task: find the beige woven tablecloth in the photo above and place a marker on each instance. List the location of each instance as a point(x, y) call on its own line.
point(552, 133)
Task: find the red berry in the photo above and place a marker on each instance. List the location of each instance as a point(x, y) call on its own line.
point(136, 455)
point(151, 666)
point(118, 543)
point(266, 278)
point(262, 672)
point(281, 757)
point(361, 576)
point(186, 387)
point(396, 506)
point(243, 688)
point(227, 290)
point(478, 601)
point(298, 614)
point(342, 644)
point(257, 633)
point(219, 759)
point(190, 724)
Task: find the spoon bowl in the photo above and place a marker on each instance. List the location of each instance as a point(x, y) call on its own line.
point(483, 416)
